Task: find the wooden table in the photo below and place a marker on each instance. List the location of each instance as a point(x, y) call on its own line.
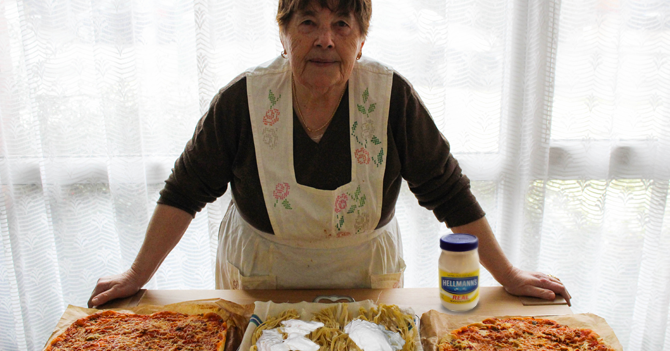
point(494, 301)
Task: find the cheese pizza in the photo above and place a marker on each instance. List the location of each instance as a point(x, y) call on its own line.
point(110, 330)
point(521, 333)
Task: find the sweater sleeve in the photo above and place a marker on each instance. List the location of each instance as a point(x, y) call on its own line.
point(431, 171)
point(202, 172)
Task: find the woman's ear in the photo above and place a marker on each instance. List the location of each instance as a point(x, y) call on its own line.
point(284, 53)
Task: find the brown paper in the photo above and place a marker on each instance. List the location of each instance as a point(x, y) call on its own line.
point(236, 316)
point(435, 325)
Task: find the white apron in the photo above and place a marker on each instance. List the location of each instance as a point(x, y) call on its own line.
point(322, 238)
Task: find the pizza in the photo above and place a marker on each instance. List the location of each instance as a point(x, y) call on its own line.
point(521, 333)
point(110, 330)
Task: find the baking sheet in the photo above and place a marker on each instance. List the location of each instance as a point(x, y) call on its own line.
point(263, 310)
point(236, 316)
point(435, 325)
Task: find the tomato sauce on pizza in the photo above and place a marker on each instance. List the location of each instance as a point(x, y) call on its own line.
point(522, 333)
point(110, 330)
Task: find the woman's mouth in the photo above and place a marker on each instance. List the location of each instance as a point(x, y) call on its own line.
point(322, 62)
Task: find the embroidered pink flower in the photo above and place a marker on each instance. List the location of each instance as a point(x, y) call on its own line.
point(343, 234)
point(281, 191)
point(362, 156)
point(341, 203)
point(271, 117)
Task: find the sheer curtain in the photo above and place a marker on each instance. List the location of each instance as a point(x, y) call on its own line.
point(559, 112)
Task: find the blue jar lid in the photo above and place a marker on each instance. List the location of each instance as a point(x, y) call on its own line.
point(459, 242)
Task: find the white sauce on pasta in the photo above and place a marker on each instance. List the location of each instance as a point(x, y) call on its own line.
point(296, 330)
point(373, 337)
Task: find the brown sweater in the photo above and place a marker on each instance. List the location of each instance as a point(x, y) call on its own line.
point(222, 151)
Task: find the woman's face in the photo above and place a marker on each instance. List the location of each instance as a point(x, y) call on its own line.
point(322, 46)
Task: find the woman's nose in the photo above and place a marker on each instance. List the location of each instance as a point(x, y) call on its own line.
point(325, 38)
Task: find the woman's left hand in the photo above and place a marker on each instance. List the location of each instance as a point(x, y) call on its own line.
point(535, 284)
point(515, 281)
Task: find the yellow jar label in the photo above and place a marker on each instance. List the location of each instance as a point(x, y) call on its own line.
point(459, 287)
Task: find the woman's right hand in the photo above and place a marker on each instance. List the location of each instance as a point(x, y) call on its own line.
point(166, 227)
point(114, 287)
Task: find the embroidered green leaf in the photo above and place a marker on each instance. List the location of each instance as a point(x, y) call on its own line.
point(272, 98)
point(375, 140)
point(371, 108)
point(353, 127)
point(357, 192)
point(361, 202)
point(341, 222)
point(287, 205)
point(380, 156)
point(361, 108)
point(365, 96)
point(351, 209)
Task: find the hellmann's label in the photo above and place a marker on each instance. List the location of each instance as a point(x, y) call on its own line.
point(459, 287)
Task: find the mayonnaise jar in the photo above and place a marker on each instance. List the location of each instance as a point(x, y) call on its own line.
point(459, 272)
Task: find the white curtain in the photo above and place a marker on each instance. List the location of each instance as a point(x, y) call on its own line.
point(559, 112)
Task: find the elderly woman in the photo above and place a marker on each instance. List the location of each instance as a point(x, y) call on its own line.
point(315, 145)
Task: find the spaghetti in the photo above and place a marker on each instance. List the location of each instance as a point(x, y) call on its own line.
point(332, 337)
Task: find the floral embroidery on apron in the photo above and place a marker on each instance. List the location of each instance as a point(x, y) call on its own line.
point(270, 137)
point(367, 133)
point(300, 212)
point(355, 206)
point(281, 193)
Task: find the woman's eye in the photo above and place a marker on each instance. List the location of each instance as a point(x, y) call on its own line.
point(342, 24)
point(307, 22)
